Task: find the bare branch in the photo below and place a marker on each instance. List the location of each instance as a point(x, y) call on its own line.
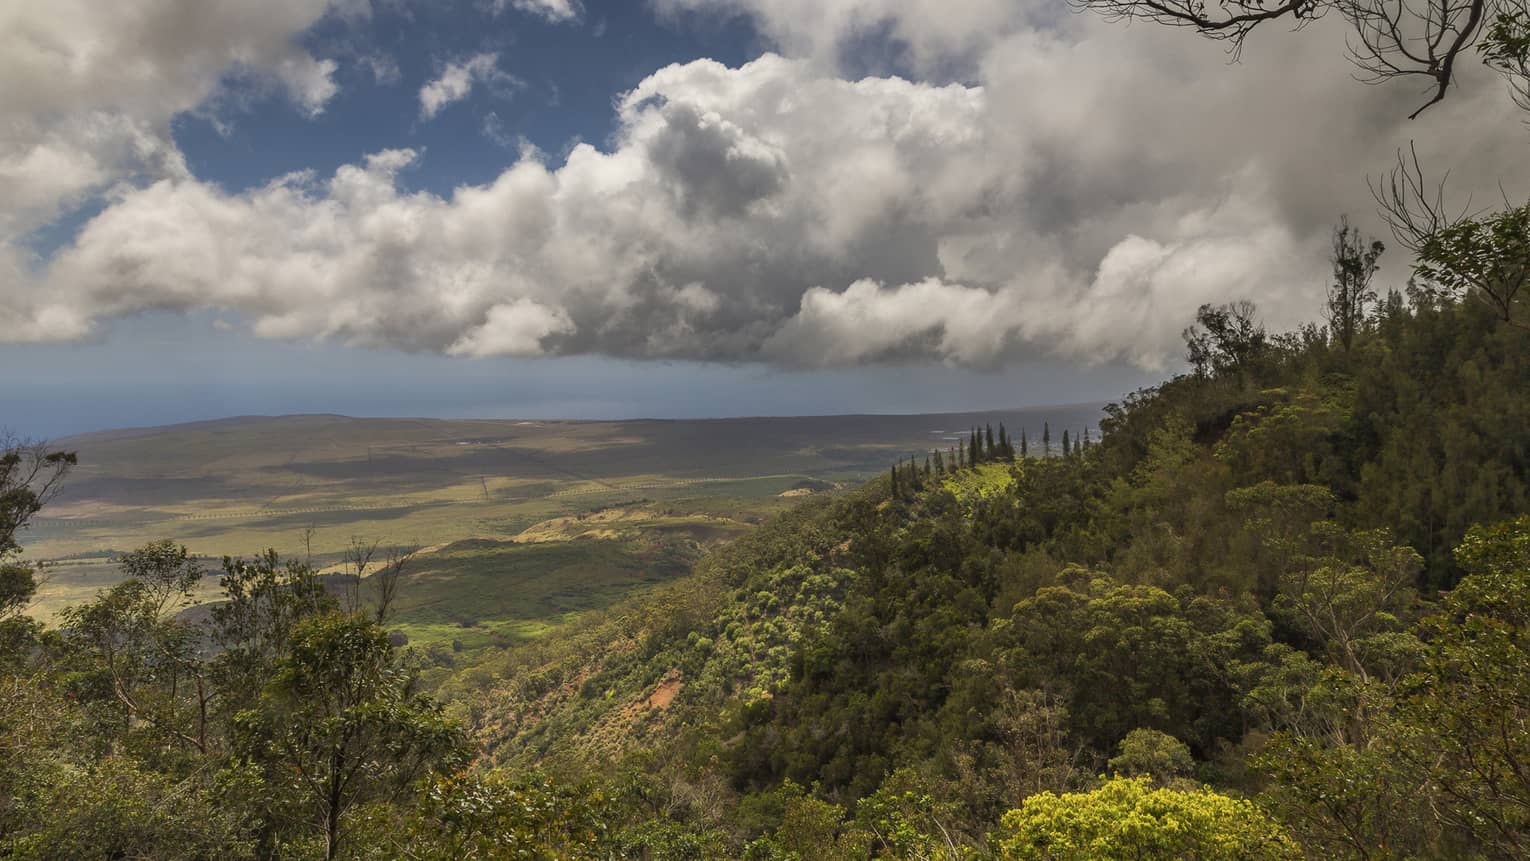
point(1390, 39)
point(386, 580)
point(1413, 207)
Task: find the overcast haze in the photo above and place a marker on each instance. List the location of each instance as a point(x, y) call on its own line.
point(683, 207)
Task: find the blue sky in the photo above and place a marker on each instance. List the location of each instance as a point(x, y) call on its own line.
point(663, 208)
point(567, 76)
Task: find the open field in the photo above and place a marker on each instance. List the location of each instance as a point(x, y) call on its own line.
point(516, 516)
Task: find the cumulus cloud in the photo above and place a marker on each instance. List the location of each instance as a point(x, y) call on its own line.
point(868, 322)
point(457, 80)
point(514, 329)
point(90, 88)
point(1077, 191)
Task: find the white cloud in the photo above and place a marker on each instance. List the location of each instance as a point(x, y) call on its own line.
point(457, 80)
point(514, 329)
point(1080, 195)
point(930, 34)
point(90, 88)
point(867, 322)
point(555, 11)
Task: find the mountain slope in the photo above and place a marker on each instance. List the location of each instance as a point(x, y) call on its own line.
point(1244, 553)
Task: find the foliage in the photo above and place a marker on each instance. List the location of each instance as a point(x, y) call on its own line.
point(30, 473)
point(468, 816)
point(1465, 722)
point(1150, 753)
point(339, 724)
point(1225, 338)
point(1440, 761)
point(1483, 258)
point(1265, 577)
point(1129, 819)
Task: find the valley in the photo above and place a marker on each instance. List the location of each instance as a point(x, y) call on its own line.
point(515, 526)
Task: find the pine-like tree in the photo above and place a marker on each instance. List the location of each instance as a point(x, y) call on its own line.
point(988, 434)
point(940, 463)
point(1067, 447)
point(1087, 443)
point(1024, 444)
point(1046, 439)
point(894, 484)
point(974, 451)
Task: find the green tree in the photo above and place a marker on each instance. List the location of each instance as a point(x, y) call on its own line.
point(79, 809)
point(30, 474)
point(1463, 723)
point(1128, 819)
point(1150, 753)
point(149, 659)
point(1349, 590)
point(1225, 339)
point(265, 599)
point(1482, 257)
point(493, 815)
point(341, 723)
point(1136, 656)
point(1441, 768)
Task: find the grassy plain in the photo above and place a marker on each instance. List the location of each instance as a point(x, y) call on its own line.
point(523, 523)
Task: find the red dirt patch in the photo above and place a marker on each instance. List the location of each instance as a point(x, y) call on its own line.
point(665, 693)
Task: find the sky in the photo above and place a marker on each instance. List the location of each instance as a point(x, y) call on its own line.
point(589, 209)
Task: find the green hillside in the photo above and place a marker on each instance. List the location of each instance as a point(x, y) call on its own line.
point(1239, 586)
point(1277, 610)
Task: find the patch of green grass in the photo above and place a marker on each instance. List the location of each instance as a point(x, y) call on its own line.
point(487, 592)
